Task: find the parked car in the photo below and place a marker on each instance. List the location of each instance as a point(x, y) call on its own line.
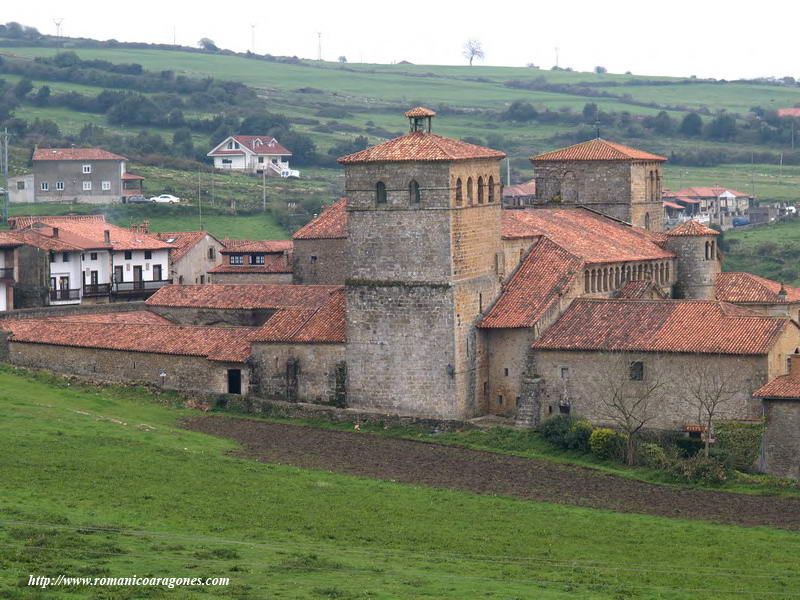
point(135, 199)
point(740, 221)
point(165, 198)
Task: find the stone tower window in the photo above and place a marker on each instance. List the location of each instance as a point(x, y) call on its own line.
point(413, 192)
point(637, 371)
point(380, 192)
point(480, 190)
point(469, 191)
point(491, 189)
point(647, 221)
point(459, 192)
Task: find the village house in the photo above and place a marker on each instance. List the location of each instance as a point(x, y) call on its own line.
point(261, 154)
point(711, 205)
point(88, 175)
point(320, 248)
point(80, 259)
point(246, 261)
point(194, 253)
point(9, 245)
point(521, 194)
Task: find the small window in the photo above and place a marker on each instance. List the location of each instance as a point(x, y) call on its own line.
point(87, 186)
point(180, 279)
point(60, 186)
point(128, 254)
point(237, 259)
point(93, 255)
point(20, 185)
point(44, 186)
point(637, 371)
point(313, 258)
point(52, 257)
point(550, 409)
point(500, 400)
point(564, 408)
point(491, 189)
point(257, 259)
point(212, 253)
point(260, 159)
point(469, 191)
point(480, 190)
point(505, 371)
point(87, 169)
point(459, 192)
point(380, 192)
point(413, 192)
point(106, 185)
point(563, 372)
point(65, 256)
point(148, 254)
point(227, 161)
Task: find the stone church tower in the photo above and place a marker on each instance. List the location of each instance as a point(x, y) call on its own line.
point(698, 263)
point(424, 247)
point(618, 181)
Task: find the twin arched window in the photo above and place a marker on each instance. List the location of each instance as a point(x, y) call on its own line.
point(480, 190)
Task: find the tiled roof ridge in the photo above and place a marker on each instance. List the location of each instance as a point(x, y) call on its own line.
point(330, 224)
point(598, 149)
point(691, 227)
point(429, 147)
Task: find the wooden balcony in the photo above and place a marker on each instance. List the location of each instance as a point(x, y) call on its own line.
point(93, 290)
point(65, 295)
point(137, 289)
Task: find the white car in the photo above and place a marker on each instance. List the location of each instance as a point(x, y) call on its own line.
point(165, 198)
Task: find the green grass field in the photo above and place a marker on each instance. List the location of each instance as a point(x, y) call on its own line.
point(101, 482)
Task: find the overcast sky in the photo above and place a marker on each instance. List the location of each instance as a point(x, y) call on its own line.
point(707, 38)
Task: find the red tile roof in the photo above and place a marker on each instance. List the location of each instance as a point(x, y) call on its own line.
point(421, 146)
point(686, 326)
point(744, 287)
point(331, 224)
point(419, 111)
point(23, 222)
point(692, 228)
point(273, 263)
point(544, 276)
point(598, 149)
point(89, 234)
point(75, 154)
point(9, 240)
point(44, 238)
point(789, 112)
point(131, 177)
point(229, 344)
point(183, 241)
point(258, 144)
point(668, 204)
point(634, 290)
point(707, 192)
point(136, 317)
point(242, 296)
point(785, 386)
point(323, 324)
point(521, 189)
point(585, 234)
point(258, 246)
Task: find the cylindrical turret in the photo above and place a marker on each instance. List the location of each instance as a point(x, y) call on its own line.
point(698, 265)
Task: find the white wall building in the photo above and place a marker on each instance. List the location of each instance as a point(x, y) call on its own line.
point(253, 154)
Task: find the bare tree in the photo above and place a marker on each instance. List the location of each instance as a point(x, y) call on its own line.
point(630, 392)
point(473, 50)
point(709, 386)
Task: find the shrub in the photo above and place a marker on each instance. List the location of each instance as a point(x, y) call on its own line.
point(652, 455)
point(607, 444)
point(699, 469)
point(689, 447)
point(555, 429)
point(577, 437)
point(739, 443)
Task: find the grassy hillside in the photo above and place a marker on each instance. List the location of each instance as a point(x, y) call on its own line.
point(101, 482)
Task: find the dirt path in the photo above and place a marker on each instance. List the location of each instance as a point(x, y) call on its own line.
point(371, 455)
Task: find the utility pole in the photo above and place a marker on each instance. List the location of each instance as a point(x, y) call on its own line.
point(4, 157)
point(253, 38)
point(58, 26)
point(174, 36)
point(212, 189)
point(264, 188)
point(319, 46)
point(199, 201)
point(508, 171)
point(556, 56)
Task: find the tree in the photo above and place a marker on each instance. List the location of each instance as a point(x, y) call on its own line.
point(473, 50)
point(342, 59)
point(662, 123)
point(590, 111)
point(520, 110)
point(630, 391)
point(709, 387)
point(23, 88)
point(600, 70)
point(722, 127)
point(691, 125)
point(42, 97)
point(208, 44)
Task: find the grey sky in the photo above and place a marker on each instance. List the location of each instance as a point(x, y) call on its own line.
point(680, 37)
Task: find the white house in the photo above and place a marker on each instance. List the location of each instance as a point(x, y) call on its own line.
point(8, 260)
point(253, 154)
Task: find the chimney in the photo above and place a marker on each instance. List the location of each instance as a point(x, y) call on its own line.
point(794, 365)
point(107, 236)
point(782, 294)
point(55, 232)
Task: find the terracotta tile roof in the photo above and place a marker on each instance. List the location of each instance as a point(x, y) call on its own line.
point(598, 149)
point(75, 154)
point(785, 386)
point(521, 189)
point(257, 144)
point(634, 290)
point(585, 234)
point(229, 344)
point(744, 287)
point(131, 177)
point(688, 326)
point(708, 192)
point(331, 224)
point(136, 317)
point(258, 246)
point(43, 237)
point(324, 324)
point(668, 204)
point(183, 241)
point(789, 112)
point(690, 228)
point(421, 146)
point(419, 111)
point(92, 232)
point(242, 296)
point(23, 222)
point(9, 240)
point(542, 278)
point(273, 263)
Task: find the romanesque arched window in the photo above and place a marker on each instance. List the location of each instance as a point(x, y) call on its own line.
point(469, 191)
point(647, 221)
point(713, 253)
point(708, 248)
point(459, 192)
point(652, 194)
point(480, 190)
point(586, 282)
point(380, 192)
point(413, 192)
point(491, 189)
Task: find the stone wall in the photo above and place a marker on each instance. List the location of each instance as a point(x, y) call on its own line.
point(320, 262)
point(33, 277)
point(183, 373)
point(214, 316)
point(780, 447)
point(250, 278)
point(299, 372)
point(196, 262)
point(697, 268)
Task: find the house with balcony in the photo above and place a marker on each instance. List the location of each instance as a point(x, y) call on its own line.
point(262, 261)
point(8, 269)
point(259, 154)
point(83, 259)
point(90, 175)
